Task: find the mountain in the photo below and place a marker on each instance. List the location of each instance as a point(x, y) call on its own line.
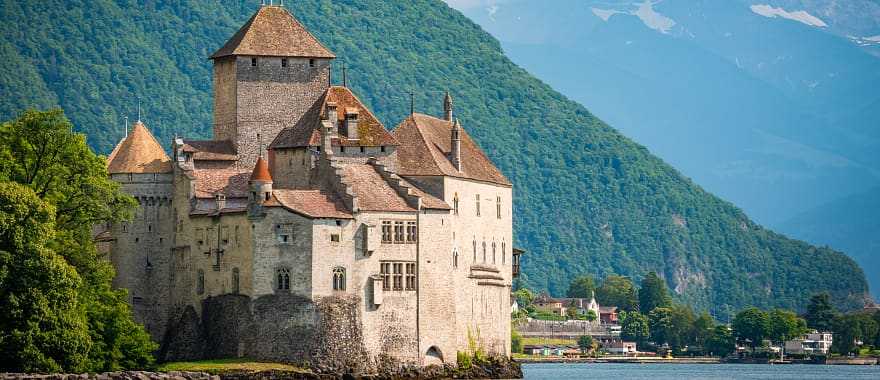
point(588, 199)
point(771, 104)
point(849, 223)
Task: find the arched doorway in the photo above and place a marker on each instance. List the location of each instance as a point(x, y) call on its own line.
point(434, 356)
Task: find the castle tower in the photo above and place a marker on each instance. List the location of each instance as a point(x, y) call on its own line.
point(265, 78)
point(141, 248)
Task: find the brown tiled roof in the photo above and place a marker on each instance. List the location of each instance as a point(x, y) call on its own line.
point(210, 150)
point(261, 171)
point(309, 203)
point(231, 182)
point(273, 31)
point(373, 193)
point(425, 143)
point(306, 132)
point(139, 152)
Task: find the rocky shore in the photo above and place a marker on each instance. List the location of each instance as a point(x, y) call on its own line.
point(126, 375)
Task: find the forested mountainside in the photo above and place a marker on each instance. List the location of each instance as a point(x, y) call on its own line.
point(588, 200)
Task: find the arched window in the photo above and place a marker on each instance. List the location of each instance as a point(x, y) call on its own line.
point(200, 282)
point(339, 278)
point(493, 252)
point(283, 279)
point(455, 259)
point(484, 252)
point(475, 251)
point(455, 204)
point(235, 281)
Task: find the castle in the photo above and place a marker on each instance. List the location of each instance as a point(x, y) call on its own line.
point(306, 231)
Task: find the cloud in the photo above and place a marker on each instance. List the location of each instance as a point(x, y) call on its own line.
point(799, 16)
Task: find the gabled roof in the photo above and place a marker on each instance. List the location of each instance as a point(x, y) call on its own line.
point(273, 31)
point(139, 152)
point(425, 144)
point(210, 150)
point(309, 203)
point(306, 132)
point(233, 183)
point(372, 191)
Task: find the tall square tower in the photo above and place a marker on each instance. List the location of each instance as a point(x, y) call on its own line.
point(265, 78)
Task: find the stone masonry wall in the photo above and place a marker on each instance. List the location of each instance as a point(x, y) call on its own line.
point(268, 97)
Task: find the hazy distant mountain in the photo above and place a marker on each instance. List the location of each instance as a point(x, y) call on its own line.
point(773, 105)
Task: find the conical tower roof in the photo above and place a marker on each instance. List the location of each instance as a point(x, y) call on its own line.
point(139, 152)
point(261, 171)
point(273, 31)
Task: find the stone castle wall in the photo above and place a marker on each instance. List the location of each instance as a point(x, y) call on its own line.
point(264, 98)
point(141, 252)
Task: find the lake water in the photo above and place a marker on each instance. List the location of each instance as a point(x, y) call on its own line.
point(615, 371)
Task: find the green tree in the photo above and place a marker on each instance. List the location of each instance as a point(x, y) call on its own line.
point(820, 312)
point(877, 336)
point(571, 312)
point(586, 342)
point(703, 327)
point(590, 316)
point(42, 153)
point(581, 287)
point(42, 328)
point(752, 325)
point(721, 342)
point(661, 325)
point(618, 291)
point(681, 333)
point(785, 325)
point(524, 298)
point(634, 326)
point(653, 293)
point(850, 328)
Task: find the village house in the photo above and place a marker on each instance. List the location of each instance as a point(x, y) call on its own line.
point(812, 343)
point(561, 306)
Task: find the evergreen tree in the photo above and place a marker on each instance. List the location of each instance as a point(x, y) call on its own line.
point(820, 313)
point(653, 293)
point(721, 342)
point(703, 327)
point(618, 291)
point(661, 325)
point(581, 287)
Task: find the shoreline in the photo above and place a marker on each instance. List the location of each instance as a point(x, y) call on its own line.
point(696, 360)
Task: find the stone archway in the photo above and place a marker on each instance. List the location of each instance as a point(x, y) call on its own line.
point(433, 356)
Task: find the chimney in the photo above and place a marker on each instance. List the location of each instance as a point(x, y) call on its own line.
point(332, 116)
point(455, 154)
point(327, 139)
point(351, 123)
point(447, 107)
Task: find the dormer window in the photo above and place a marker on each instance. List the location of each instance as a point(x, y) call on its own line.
point(283, 62)
point(253, 62)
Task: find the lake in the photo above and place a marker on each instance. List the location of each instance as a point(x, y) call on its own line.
point(615, 371)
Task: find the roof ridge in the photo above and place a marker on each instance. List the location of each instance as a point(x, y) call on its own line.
point(139, 152)
point(274, 31)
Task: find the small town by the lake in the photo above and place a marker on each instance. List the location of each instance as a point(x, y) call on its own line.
point(439, 189)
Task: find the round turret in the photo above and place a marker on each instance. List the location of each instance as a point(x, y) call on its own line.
point(260, 182)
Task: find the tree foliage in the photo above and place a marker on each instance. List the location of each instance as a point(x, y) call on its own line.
point(581, 287)
point(752, 325)
point(618, 291)
point(785, 325)
point(44, 155)
point(721, 342)
point(820, 312)
point(653, 293)
point(634, 326)
point(619, 204)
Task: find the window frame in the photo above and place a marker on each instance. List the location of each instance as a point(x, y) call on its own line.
point(339, 279)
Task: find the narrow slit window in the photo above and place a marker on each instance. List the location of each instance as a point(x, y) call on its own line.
point(253, 62)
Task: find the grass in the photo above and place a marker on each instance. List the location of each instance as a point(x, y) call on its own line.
point(222, 365)
point(537, 341)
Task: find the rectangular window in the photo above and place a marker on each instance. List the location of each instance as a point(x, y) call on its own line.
point(386, 231)
point(311, 63)
point(334, 238)
point(385, 270)
point(253, 61)
point(498, 207)
point(410, 276)
point(412, 232)
point(284, 232)
point(283, 62)
point(398, 276)
point(478, 204)
point(398, 232)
